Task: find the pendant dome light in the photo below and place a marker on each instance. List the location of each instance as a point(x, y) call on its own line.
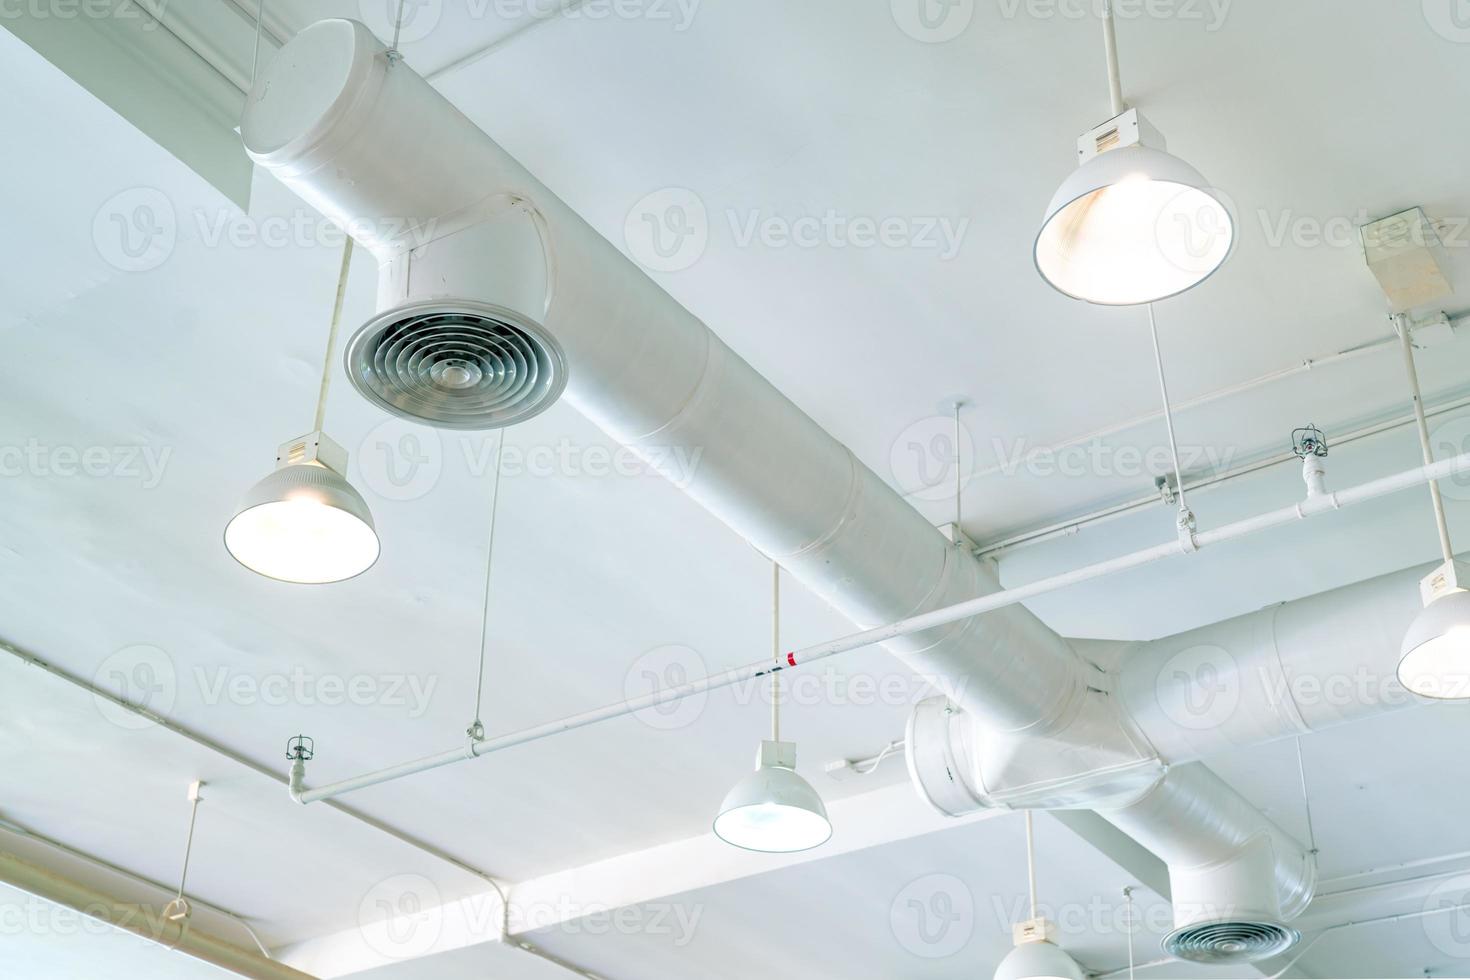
point(1133, 224)
point(1435, 658)
point(1036, 957)
point(304, 523)
point(774, 810)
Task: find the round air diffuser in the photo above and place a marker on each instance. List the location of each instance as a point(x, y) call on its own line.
point(457, 364)
point(1240, 941)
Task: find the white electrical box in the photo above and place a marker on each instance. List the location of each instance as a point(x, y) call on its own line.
point(1407, 257)
point(1129, 129)
point(314, 447)
point(1452, 576)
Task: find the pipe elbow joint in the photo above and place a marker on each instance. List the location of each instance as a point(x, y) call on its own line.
point(296, 782)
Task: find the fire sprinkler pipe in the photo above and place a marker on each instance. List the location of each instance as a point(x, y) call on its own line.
point(1307, 508)
point(462, 228)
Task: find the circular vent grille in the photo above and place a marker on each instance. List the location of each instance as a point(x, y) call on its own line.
point(1230, 942)
point(457, 365)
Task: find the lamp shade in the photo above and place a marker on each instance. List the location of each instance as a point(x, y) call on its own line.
point(1133, 225)
point(1435, 661)
point(773, 810)
point(303, 523)
point(1039, 961)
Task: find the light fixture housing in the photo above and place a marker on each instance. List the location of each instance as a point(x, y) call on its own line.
point(1435, 658)
point(304, 523)
point(773, 810)
point(1133, 224)
point(1036, 957)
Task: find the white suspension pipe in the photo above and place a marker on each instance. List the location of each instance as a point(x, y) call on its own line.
point(1407, 346)
point(1173, 740)
point(1115, 76)
point(150, 923)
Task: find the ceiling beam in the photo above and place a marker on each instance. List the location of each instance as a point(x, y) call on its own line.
point(149, 920)
point(602, 888)
point(1118, 847)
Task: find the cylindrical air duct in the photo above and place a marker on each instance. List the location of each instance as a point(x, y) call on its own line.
point(1289, 669)
point(370, 144)
point(375, 148)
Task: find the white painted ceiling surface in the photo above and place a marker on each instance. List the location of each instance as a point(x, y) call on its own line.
point(1300, 112)
point(931, 908)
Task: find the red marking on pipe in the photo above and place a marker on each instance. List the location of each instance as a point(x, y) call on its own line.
point(791, 659)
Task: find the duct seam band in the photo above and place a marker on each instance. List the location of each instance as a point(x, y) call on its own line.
point(847, 517)
point(714, 355)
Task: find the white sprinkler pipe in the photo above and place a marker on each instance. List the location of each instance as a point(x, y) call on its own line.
point(1309, 507)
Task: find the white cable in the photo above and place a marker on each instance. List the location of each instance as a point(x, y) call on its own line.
point(477, 730)
point(959, 480)
point(1306, 797)
point(1031, 863)
point(397, 31)
point(195, 798)
point(776, 651)
point(1128, 902)
point(321, 397)
point(255, 56)
point(1401, 323)
point(864, 768)
point(1153, 327)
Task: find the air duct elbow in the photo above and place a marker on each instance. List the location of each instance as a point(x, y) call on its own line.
point(296, 782)
point(1236, 878)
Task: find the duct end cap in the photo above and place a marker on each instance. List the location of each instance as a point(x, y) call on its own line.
point(308, 87)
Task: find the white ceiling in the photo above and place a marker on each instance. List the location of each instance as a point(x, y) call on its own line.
point(1300, 112)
